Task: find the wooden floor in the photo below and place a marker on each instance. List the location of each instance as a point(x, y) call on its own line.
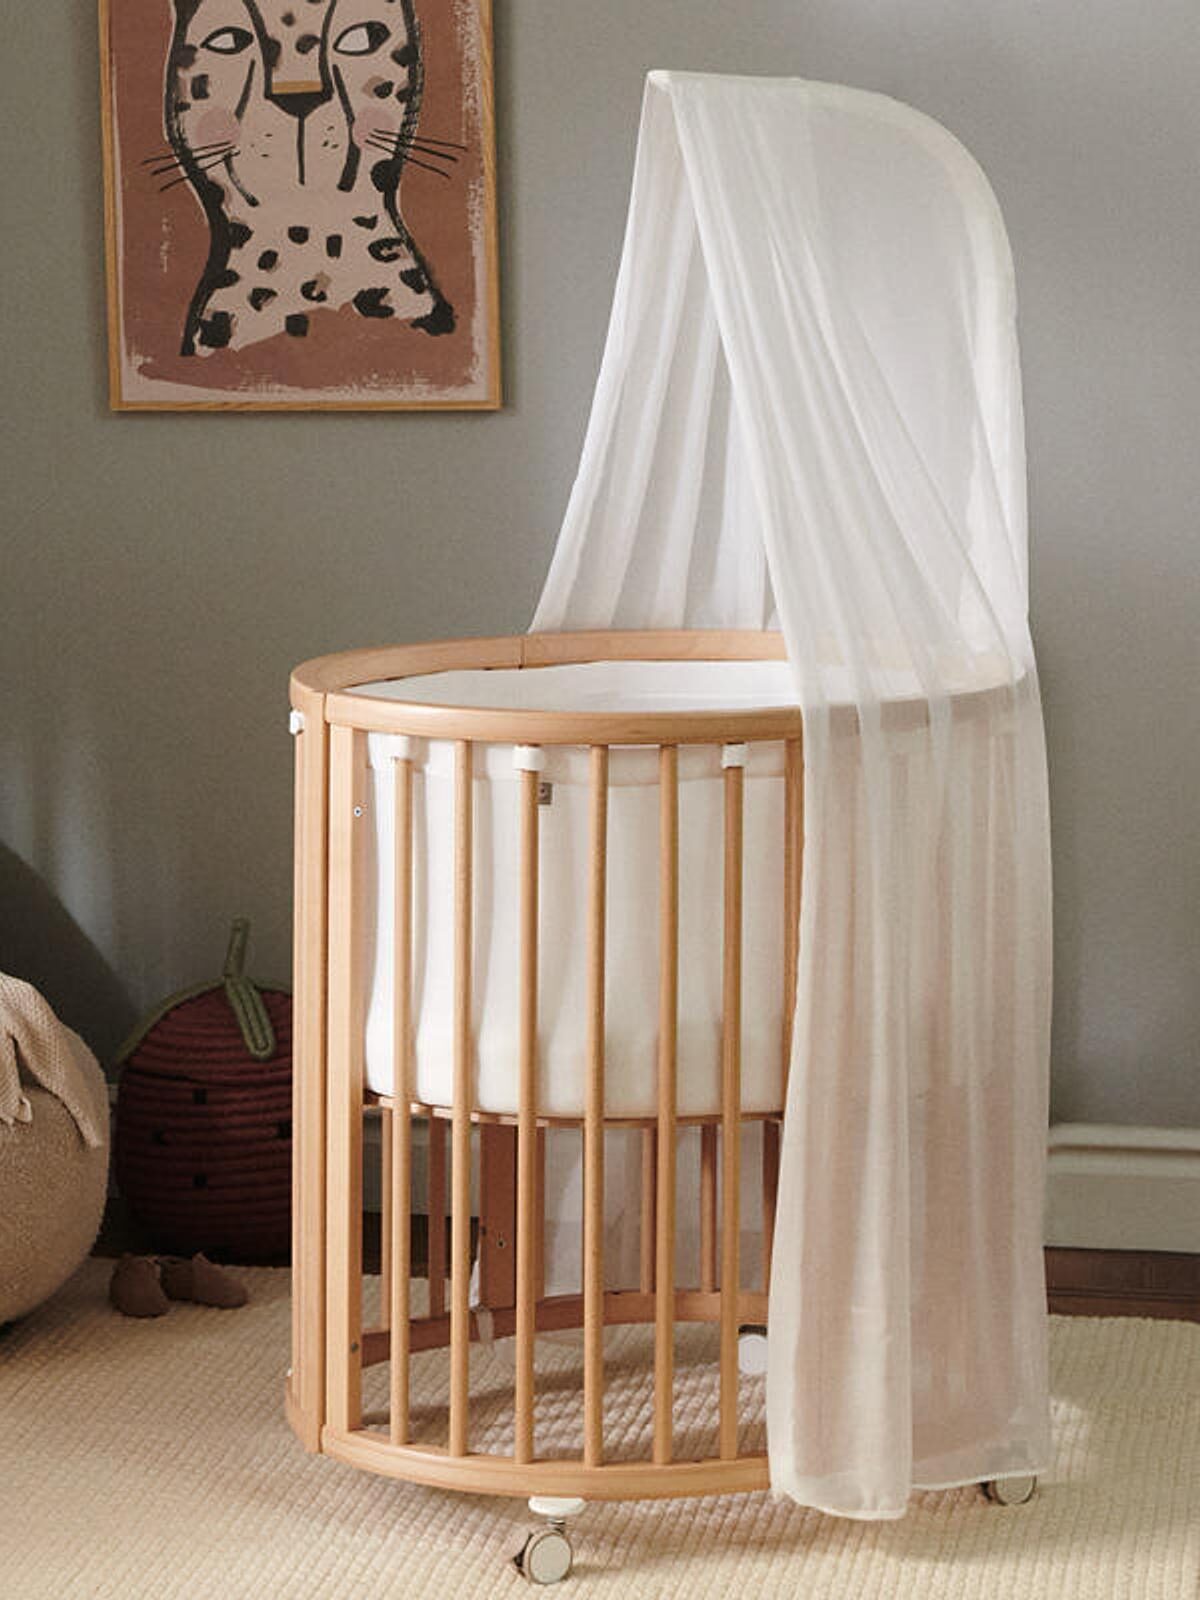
point(1082, 1283)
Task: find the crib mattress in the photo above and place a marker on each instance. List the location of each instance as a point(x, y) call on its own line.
point(631, 1021)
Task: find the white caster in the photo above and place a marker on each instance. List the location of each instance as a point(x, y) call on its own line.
point(752, 1351)
point(1010, 1491)
point(546, 1555)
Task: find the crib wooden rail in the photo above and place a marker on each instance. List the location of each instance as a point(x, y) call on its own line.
point(335, 1340)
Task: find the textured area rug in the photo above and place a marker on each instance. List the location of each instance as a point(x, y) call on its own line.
point(151, 1459)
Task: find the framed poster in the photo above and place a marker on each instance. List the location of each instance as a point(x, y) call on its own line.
point(300, 204)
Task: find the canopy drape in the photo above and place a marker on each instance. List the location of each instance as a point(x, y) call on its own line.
point(808, 415)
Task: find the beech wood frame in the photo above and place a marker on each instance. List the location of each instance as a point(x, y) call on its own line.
point(330, 1345)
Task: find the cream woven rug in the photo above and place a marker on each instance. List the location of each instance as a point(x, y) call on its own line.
point(152, 1460)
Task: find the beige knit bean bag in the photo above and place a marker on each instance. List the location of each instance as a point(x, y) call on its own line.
point(53, 1149)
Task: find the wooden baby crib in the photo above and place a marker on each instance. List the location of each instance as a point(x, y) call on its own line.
point(333, 1341)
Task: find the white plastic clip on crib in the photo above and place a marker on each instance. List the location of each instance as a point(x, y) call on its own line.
point(549, 890)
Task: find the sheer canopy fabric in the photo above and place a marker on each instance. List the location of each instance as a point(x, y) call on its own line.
point(808, 413)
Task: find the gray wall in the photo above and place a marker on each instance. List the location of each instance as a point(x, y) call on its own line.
point(145, 763)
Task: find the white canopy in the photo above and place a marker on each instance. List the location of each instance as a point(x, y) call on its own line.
point(809, 408)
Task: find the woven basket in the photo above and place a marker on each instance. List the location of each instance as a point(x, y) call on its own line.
point(203, 1144)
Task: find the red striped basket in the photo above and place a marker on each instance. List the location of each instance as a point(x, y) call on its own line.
point(203, 1145)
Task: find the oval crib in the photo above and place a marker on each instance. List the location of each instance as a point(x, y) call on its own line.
point(331, 1344)
point(489, 1279)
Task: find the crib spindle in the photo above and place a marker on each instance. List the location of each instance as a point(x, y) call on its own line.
point(708, 1208)
point(593, 1133)
point(397, 1254)
point(539, 1226)
point(793, 862)
point(793, 859)
point(436, 1238)
point(527, 1130)
point(646, 1210)
point(385, 1217)
point(731, 1096)
point(770, 1190)
point(460, 1168)
point(345, 1108)
point(668, 1017)
point(306, 1381)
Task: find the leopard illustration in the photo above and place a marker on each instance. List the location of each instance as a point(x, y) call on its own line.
point(293, 121)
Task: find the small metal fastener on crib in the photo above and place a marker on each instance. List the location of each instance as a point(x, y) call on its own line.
point(734, 755)
point(295, 722)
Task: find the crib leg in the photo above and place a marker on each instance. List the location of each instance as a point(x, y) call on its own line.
point(546, 1555)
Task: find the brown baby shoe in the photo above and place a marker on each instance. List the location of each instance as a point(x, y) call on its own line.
point(201, 1281)
point(135, 1288)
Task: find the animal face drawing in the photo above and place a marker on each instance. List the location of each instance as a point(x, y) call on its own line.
point(294, 121)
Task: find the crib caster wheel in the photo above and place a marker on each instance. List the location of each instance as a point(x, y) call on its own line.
point(752, 1351)
point(1010, 1491)
point(546, 1555)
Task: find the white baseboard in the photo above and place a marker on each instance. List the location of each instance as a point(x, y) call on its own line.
point(1123, 1188)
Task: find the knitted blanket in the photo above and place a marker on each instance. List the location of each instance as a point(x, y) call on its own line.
point(35, 1043)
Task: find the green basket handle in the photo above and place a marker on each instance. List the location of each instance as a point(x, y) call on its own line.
point(253, 1019)
point(257, 1032)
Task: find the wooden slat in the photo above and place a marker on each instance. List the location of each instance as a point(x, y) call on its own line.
point(528, 1136)
point(793, 859)
point(436, 1242)
point(770, 1191)
point(539, 1221)
point(401, 1276)
point(345, 1105)
point(708, 1208)
point(385, 1215)
point(593, 1136)
point(460, 1134)
point(649, 1184)
point(309, 1045)
point(668, 1019)
point(397, 1249)
point(731, 1100)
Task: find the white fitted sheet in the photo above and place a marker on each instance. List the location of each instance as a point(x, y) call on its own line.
point(632, 943)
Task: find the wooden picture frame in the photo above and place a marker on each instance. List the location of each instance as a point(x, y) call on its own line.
point(300, 204)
